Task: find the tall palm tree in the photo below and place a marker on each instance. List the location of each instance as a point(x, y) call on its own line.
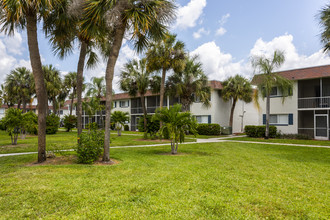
point(268, 79)
point(53, 85)
point(25, 15)
point(324, 17)
point(189, 84)
point(63, 27)
point(141, 20)
point(19, 85)
point(97, 89)
point(136, 80)
point(70, 82)
point(236, 88)
point(164, 55)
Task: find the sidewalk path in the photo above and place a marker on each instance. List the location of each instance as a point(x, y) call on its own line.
point(198, 141)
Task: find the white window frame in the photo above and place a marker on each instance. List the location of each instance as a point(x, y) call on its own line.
point(201, 121)
point(126, 102)
point(281, 119)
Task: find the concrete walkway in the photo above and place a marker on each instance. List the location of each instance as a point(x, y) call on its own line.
point(198, 141)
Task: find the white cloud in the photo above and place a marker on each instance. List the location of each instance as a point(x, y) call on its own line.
point(219, 65)
point(224, 19)
point(198, 34)
point(188, 15)
point(221, 31)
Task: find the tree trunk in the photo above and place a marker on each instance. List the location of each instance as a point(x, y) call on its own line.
point(232, 113)
point(162, 88)
point(54, 106)
point(72, 99)
point(144, 112)
point(114, 52)
point(24, 105)
point(31, 21)
point(19, 104)
point(267, 116)
point(80, 72)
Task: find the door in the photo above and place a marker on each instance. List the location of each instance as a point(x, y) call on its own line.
point(321, 127)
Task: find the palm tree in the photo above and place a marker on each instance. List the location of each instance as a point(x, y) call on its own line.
point(164, 55)
point(236, 88)
point(97, 89)
point(268, 79)
point(25, 15)
point(135, 79)
point(53, 85)
point(20, 86)
point(70, 82)
point(324, 17)
point(63, 27)
point(119, 118)
point(189, 84)
point(141, 20)
point(176, 123)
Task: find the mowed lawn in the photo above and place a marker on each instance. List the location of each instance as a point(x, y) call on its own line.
point(67, 140)
point(207, 181)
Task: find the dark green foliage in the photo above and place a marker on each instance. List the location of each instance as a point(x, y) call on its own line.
point(30, 123)
point(112, 126)
point(208, 129)
point(2, 125)
point(152, 125)
point(52, 124)
point(259, 131)
point(70, 121)
point(126, 128)
point(92, 126)
point(90, 146)
point(294, 136)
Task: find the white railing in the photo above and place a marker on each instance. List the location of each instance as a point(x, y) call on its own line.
point(314, 102)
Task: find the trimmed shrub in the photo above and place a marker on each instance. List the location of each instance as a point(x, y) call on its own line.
point(126, 128)
point(208, 129)
point(52, 124)
point(260, 131)
point(70, 122)
point(294, 136)
point(90, 146)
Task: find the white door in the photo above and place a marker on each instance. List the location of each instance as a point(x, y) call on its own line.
point(321, 127)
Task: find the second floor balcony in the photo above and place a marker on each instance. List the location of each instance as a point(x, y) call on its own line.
point(314, 93)
point(314, 102)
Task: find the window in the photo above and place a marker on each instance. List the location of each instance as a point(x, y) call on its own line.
point(2, 110)
point(124, 104)
point(203, 119)
point(279, 119)
point(61, 112)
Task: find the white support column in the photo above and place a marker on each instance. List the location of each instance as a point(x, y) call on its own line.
point(168, 102)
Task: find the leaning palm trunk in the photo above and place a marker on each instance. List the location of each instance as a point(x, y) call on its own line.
point(232, 113)
point(144, 113)
point(114, 52)
point(162, 88)
point(80, 72)
point(38, 75)
point(72, 99)
point(267, 116)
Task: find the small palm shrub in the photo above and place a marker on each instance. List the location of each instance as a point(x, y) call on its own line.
point(52, 124)
point(70, 121)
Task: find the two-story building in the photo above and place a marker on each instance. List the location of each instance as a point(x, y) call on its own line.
point(307, 109)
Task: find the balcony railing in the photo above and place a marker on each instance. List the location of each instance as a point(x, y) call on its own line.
point(314, 102)
point(139, 110)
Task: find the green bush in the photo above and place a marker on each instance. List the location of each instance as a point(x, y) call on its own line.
point(152, 126)
point(92, 126)
point(90, 146)
point(294, 136)
point(30, 122)
point(2, 125)
point(52, 124)
point(260, 131)
point(208, 129)
point(126, 128)
point(70, 121)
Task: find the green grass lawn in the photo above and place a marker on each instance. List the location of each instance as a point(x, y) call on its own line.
point(284, 141)
point(208, 181)
point(66, 140)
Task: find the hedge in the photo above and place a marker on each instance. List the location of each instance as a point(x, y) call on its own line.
point(260, 131)
point(208, 129)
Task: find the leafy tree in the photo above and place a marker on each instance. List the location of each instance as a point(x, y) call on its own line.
point(96, 89)
point(13, 123)
point(70, 82)
point(25, 15)
point(190, 83)
point(19, 86)
point(324, 17)
point(53, 123)
point(268, 79)
point(29, 123)
point(54, 85)
point(153, 126)
point(236, 88)
point(141, 21)
point(164, 55)
point(90, 106)
point(119, 118)
point(176, 123)
point(70, 121)
point(136, 80)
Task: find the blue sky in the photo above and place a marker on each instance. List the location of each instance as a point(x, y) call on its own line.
point(224, 34)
